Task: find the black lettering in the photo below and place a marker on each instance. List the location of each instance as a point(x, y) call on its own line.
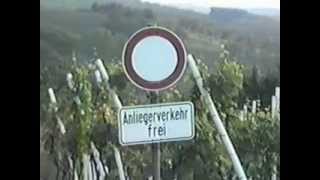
point(159, 116)
point(161, 131)
point(183, 114)
point(177, 115)
point(145, 117)
point(155, 116)
point(172, 115)
point(140, 118)
point(149, 129)
point(130, 118)
point(125, 120)
point(154, 131)
point(145, 122)
point(163, 116)
point(150, 117)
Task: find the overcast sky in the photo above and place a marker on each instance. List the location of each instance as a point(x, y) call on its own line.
point(243, 4)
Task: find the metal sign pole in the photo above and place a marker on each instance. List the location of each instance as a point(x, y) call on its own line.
point(156, 153)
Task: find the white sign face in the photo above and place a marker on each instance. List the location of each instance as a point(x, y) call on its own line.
point(154, 58)
point(156, 123)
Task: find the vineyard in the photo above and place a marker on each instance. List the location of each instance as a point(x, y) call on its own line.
point(79, 132)
point(81, 91)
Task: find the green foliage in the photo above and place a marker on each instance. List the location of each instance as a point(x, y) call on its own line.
point(256, 139)
point(226, 74)
point(259, 87)
point(227, 83)
point(84, 113)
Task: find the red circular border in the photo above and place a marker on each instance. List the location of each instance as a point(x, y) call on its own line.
point(154, 85)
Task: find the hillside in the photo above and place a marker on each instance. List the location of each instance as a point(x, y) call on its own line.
point(265, 12)
point(253, 40)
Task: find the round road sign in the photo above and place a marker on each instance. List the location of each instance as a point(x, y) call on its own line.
point(154, 58)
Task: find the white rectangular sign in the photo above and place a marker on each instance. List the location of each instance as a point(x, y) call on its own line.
point(156, 123)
